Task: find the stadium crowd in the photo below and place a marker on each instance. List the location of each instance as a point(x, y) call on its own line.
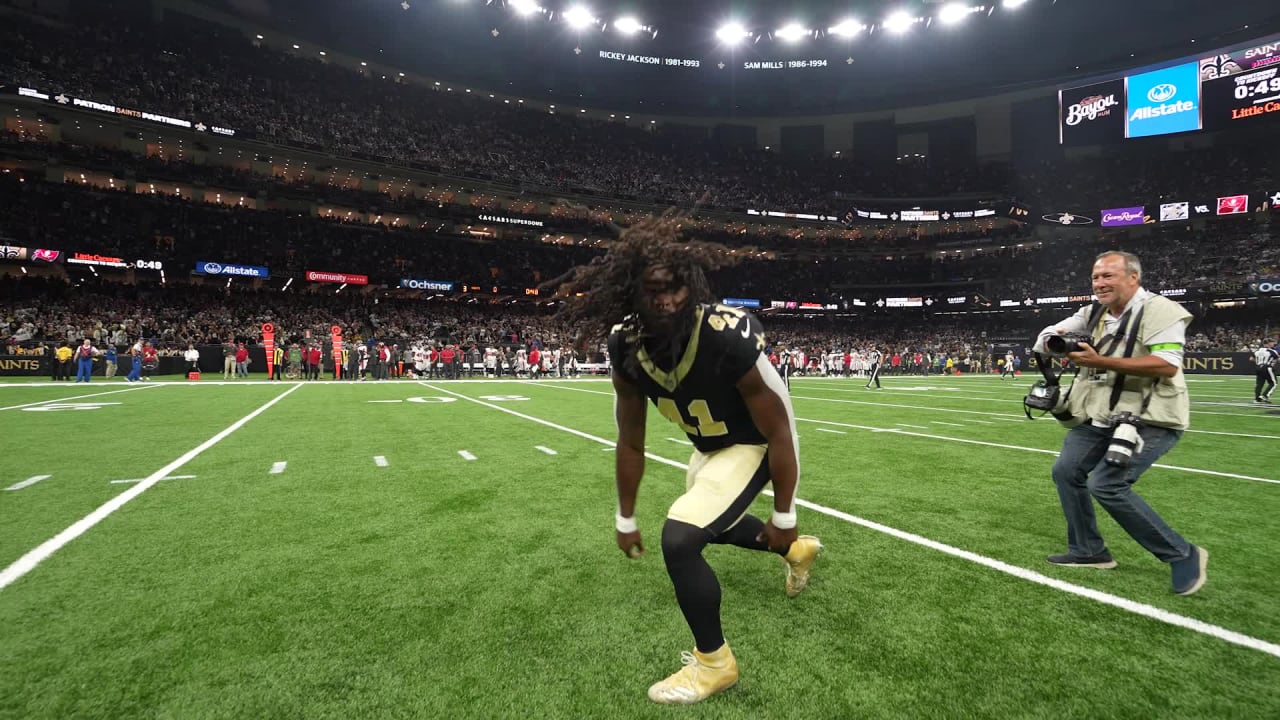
point(181, 232)
point(224, 78)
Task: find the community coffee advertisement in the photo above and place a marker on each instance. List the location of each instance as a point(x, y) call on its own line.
point(1091, 115)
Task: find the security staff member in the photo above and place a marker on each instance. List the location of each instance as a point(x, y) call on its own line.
point(1265, 359)
point(277, 363)
point(1131, 369)
point(63, 359)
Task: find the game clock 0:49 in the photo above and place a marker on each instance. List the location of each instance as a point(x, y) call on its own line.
point(1241, 99)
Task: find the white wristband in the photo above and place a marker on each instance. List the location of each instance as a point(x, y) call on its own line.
point(783, 521)
point(625, 524)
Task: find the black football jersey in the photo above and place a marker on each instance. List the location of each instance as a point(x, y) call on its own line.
point(700, 393)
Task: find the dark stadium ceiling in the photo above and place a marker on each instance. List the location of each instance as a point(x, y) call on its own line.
point(538, 54)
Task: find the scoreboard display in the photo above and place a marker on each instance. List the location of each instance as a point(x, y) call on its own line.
point(1229, 89)
point(1244, 99)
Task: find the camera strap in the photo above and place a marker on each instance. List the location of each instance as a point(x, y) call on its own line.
point(1117, 387)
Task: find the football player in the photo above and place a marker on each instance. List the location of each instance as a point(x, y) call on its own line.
point(703, 367)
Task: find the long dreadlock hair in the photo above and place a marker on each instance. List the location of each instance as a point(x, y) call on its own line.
point(611, 287)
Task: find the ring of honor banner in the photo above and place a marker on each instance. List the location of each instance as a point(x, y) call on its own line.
point(269, 344)
point(335, 334)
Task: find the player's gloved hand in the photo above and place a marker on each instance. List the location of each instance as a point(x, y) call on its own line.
point(777, 540)
point(630, 544)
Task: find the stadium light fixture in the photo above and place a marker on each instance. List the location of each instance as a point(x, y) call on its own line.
point(1013, 4)
point(523, 8)
point(732, 33)
point(952, 13)
point(628, 25)
point(847, 28)
point(899, 22)
point(791, 32)
point(578, 17)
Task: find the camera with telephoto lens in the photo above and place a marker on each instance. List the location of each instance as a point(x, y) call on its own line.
point(1059, 345)
point(1125, 440)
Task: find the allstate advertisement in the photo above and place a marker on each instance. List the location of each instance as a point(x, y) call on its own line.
point(1162, 102)
point(204, 267)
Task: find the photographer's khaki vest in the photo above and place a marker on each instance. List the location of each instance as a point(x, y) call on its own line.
point(1168, 406)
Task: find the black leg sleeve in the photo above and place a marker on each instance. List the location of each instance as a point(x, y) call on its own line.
point(743, 534)
point(696, 586)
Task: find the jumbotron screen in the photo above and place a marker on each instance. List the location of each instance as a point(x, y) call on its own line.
point(1228, 89)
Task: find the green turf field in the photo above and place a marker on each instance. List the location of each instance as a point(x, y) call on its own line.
point(405, 549)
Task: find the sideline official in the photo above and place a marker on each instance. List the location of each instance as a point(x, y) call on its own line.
point(1129, 406)
point(1265, 360)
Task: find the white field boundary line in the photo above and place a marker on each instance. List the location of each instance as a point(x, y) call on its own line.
point(1006, 393)
point(1196, 471)
point(1044, 451)
point(1012, 399)
point(1009, 416)
point(1131, 606)
point(77, 397)
point(1006, 399)
point(29, 561)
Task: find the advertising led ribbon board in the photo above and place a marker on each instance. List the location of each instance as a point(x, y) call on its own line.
point(204, 267)
point(337, 277)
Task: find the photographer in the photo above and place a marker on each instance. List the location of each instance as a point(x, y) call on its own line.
point(1127, 407)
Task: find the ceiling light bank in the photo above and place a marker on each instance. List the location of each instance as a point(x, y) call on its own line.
point(580, 17)
point(736, 32)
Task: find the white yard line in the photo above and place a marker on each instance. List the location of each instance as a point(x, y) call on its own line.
point(827, 430)
point(137, 480)
point(939, 422)
point(466, 455)
point(540, 421)
point(545, 449)
point(678, 441)
point(1116, 601)
point(28, 562)
point(918, 427)
point(28, 482)
point(380, 461)
point(278, 467)
point(78, 397)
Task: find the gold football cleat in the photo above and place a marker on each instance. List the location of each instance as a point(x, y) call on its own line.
point(799, 560)
point(703, 675)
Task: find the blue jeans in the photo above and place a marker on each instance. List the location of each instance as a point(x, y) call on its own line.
point(1083, 476)
point(84, 371)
